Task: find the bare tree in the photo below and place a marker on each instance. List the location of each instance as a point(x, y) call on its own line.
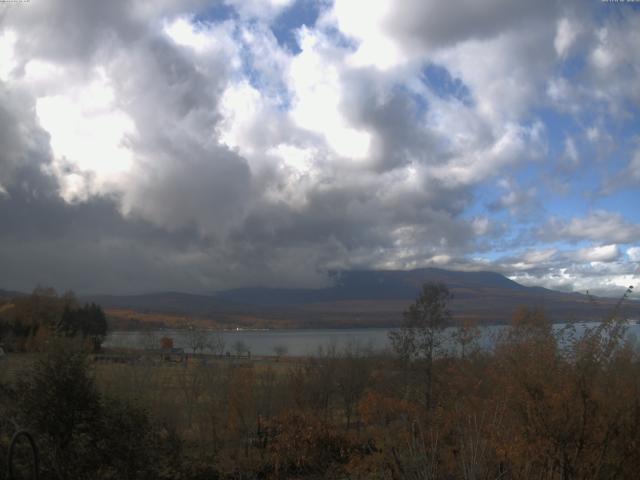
point(215, 342)
point(150, 340)
point(196, 337)
point(352, 377)
point(419, 337)
point(191, 384)
point(240, 347)
point(280, 351)
point(320, 378)
point(466, 336)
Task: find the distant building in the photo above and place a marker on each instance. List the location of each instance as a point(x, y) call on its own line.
point(172, 354)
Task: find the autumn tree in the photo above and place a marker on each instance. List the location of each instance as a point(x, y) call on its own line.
point(30, 320)
point(466, 337)
point(242, 405)
point(216, 342)
point(81, 433)
point(200, 340)
point(352, 377)
point(190, 382)
point(240, 348)
point(320, 378)
point(166, 343)
point(88, 321)
point(419, 336)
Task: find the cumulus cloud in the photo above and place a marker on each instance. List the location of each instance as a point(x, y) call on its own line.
point(607, 81)
point(599, 269)
point(604, 253)
point(517, 199)
point(418, 27)
point(634, 254)
point(264, 9)
point(178, 145)
point(633, 170)
point(599, 226)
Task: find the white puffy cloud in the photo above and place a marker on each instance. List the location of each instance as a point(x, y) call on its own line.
point(603, 253)
point(7, 56)
point(88, 131)
point(633, 170)
point(517, 199)
point(599, 269)
point(607, 82)
point(234, 159)
point(263, 9)
point(571, 151)
point(634, 254)
point(599, 226)
point(315, 83)
point(615, 63)
point(566, 36)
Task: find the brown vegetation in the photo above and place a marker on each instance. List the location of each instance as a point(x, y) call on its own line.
point(540, 404)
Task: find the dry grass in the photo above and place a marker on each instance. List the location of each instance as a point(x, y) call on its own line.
point(13, 363)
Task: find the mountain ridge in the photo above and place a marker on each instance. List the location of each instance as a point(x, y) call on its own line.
point(372, 298)
point(370, 284)
point(362, 298)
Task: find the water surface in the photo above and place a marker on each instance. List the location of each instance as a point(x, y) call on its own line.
point(302, 342)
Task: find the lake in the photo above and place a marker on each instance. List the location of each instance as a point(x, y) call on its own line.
point(300, 342)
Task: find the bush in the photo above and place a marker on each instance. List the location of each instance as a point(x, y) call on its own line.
point(81, 434)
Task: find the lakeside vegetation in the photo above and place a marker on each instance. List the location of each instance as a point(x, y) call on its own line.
point(537, 405)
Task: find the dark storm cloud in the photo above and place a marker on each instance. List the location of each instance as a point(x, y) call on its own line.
point(429, 24)
point(24, 145)
point(73, 33)
point(195, 218)
point(394, 118)
point(76, 30)
point(192, 212)
point(358, 226)
point(182, 175)
point(86, 246)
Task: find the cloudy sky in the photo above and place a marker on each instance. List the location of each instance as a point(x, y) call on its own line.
point(197, 145)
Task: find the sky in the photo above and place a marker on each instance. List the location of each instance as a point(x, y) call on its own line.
point(201, 145)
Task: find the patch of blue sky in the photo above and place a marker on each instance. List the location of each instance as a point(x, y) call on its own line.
point(517, 239)
point(615, 9)
point(419, 103)
point(587, 187)
point(586, 195)
point(557, 126)
point(484, 194)
point(511, 236)
point(339, 39)
point(275, 90)
point(604, 160)
point(439, 80)
point(624, 202)
point(627, 125)
point(565, 207)
point(489, 256)
point(285, 26)
point(571, 67)
point(527, 175)
point(217, 12)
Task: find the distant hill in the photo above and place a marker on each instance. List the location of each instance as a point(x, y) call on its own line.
point(10, 294)
point(374, 285)
point(367, 298)
point(161, 302)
